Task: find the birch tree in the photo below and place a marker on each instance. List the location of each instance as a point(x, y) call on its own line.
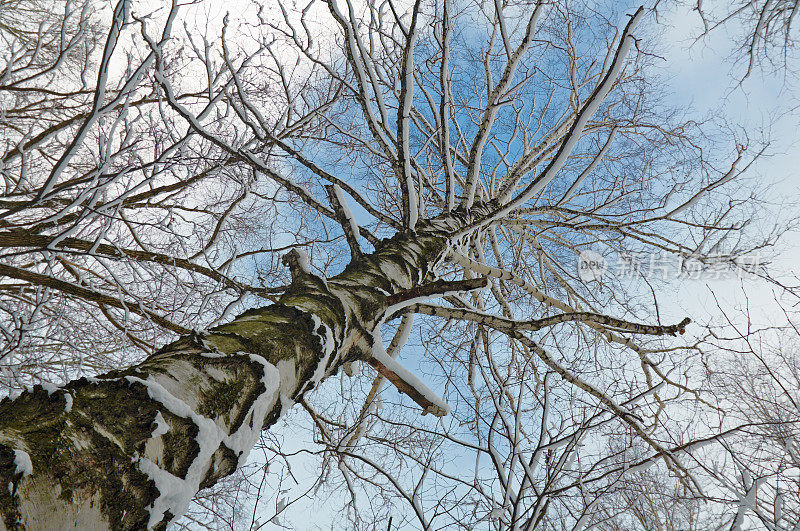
point(199, 229)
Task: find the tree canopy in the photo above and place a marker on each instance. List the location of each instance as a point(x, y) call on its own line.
point(210, 222)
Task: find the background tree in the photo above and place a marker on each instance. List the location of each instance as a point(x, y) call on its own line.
point(436, 169)
point(765, 31)
point(755, 379)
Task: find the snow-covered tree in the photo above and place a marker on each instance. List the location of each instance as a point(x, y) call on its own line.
point(199, 228)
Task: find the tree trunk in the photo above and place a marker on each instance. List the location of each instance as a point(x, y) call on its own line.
point(129, 449)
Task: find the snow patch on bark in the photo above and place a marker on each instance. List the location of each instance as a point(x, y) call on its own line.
point(245, 437)
point(327, 345)
point(212, 354)
point(288, 378)
point(49, 387)
point(22, 463)
point(159, 393)
point(395, 274)
point(161, 426)
point(302, 260)
point(175, 493)
point(68, 400)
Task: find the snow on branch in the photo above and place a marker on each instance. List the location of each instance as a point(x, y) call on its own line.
point(405, 381)
point(489, 271)
point(396, 344)
point(345, 218)
point(571, 139)
point(239, 154)
point(411, 207)
point(297, 262)
point(493, 105)
point(311, 165)
point(120, 16)
point(366, 78)
point(538, 324)
point(80, 290)
point(606, 333)
point(601, 323)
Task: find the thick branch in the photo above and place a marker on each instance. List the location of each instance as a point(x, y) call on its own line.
point(537, 324)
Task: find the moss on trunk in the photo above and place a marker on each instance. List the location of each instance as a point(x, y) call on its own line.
point(92, 441)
